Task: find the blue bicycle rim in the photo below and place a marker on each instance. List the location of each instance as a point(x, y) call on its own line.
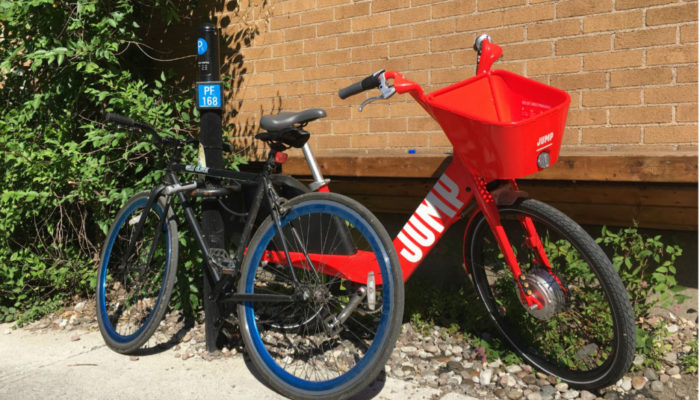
point(103, 274)
point(332, 208)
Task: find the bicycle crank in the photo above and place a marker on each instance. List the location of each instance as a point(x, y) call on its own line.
point(333, 323)
point(547, 290)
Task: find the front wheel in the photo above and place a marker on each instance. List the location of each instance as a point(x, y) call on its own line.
point(133, 289)
point(333, 335)
point(584, 332)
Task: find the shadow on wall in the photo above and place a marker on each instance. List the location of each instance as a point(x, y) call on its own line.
point(174, 46)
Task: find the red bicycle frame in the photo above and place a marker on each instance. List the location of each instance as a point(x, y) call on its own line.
point(501, 144)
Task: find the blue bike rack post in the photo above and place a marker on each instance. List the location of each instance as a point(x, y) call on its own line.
point(209, 102)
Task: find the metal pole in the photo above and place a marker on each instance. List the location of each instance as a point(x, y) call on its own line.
point(209, 102)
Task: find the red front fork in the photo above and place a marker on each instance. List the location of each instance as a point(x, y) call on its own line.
point(488, 206)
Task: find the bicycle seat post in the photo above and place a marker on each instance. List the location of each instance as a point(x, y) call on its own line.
point(315, 171)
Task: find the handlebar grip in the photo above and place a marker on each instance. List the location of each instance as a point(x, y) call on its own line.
point(369, 82)
point(120, 119)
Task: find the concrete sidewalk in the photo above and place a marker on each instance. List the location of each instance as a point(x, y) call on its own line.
point(48, 364)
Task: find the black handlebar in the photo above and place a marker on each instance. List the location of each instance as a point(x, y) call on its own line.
point(128, 122)
point(157, 139)
point(369, 82)
point(119, 119)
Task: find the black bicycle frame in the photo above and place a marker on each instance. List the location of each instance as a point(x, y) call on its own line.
point(264, 189)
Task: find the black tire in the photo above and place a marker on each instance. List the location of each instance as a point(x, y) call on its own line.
point(132, 298)
point(585, 333)
point(292, 344)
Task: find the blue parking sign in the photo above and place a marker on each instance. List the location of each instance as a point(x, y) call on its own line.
point(209, 95)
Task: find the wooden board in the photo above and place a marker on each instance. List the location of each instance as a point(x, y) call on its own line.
point(604, 167)
point(651, 205)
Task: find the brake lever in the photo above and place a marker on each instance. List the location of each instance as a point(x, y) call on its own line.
point(387, 91)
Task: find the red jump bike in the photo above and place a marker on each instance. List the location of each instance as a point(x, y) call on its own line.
point(548, 287)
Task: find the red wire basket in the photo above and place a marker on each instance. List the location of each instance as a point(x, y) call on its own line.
point(502, 125)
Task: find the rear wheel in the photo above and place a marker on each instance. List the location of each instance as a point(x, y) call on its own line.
point(584, 333)
point(333, 336)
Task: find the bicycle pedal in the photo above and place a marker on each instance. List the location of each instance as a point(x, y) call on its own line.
point(222, 259)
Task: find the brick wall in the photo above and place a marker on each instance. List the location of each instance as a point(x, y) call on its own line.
point(629, 65)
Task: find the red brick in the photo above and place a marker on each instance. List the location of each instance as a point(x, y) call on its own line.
point(505, 35)
point(586, 117)
point(354, 10)
point(687, 74)
point(315, 16)
point(334, 141)
point(610, 97)
point(579, 81)
point(645, 38)
point(574, 8)
point(355, 40)
point(641, 77)
point(423, 124)
point(545, 30)
point(671, 94)
point(267, 65)
point(528, 14)
point(689, 33)
point(673, 55)
point(371, 22)
point(435, 28)
point(452, 8)
point(403, 16)
point(284, 21)
point(672, 14)
point(586, 44)
point(640, 115)
point(370, 53)
point(614, 60)
point(431, 61)
point(288, 76)
point(373, 140)
point(321, 44)
point(687, 113)
point(671, 134)
point(387, 5)
point(613, 22)
point(287, 49)
point(407, 109)
point(376, 110)
point(294, 6)
point(258, 79)
point(486, 5)
point(553, 66)
point(448, 76)
point(479, 21)
point(392, 34)
point(333, 28)
point(451, 42)
point(306, 60)
point(301, 89)
point(527, 51)
point(304, 32)
point(410, 140)
point(315, 74)
point(387, 125)
point(408, 48)
point(628, 4)
point(608, 135)
point(333, 57)
point(356, 126)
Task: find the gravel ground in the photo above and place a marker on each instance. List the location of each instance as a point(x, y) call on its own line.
point(448, 363)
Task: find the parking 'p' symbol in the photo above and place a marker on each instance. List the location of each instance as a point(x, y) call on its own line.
point(201, 46)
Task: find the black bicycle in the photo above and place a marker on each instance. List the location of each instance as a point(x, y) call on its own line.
point(313, 325)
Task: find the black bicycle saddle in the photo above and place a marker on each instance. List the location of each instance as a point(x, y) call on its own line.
point(284, 120)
